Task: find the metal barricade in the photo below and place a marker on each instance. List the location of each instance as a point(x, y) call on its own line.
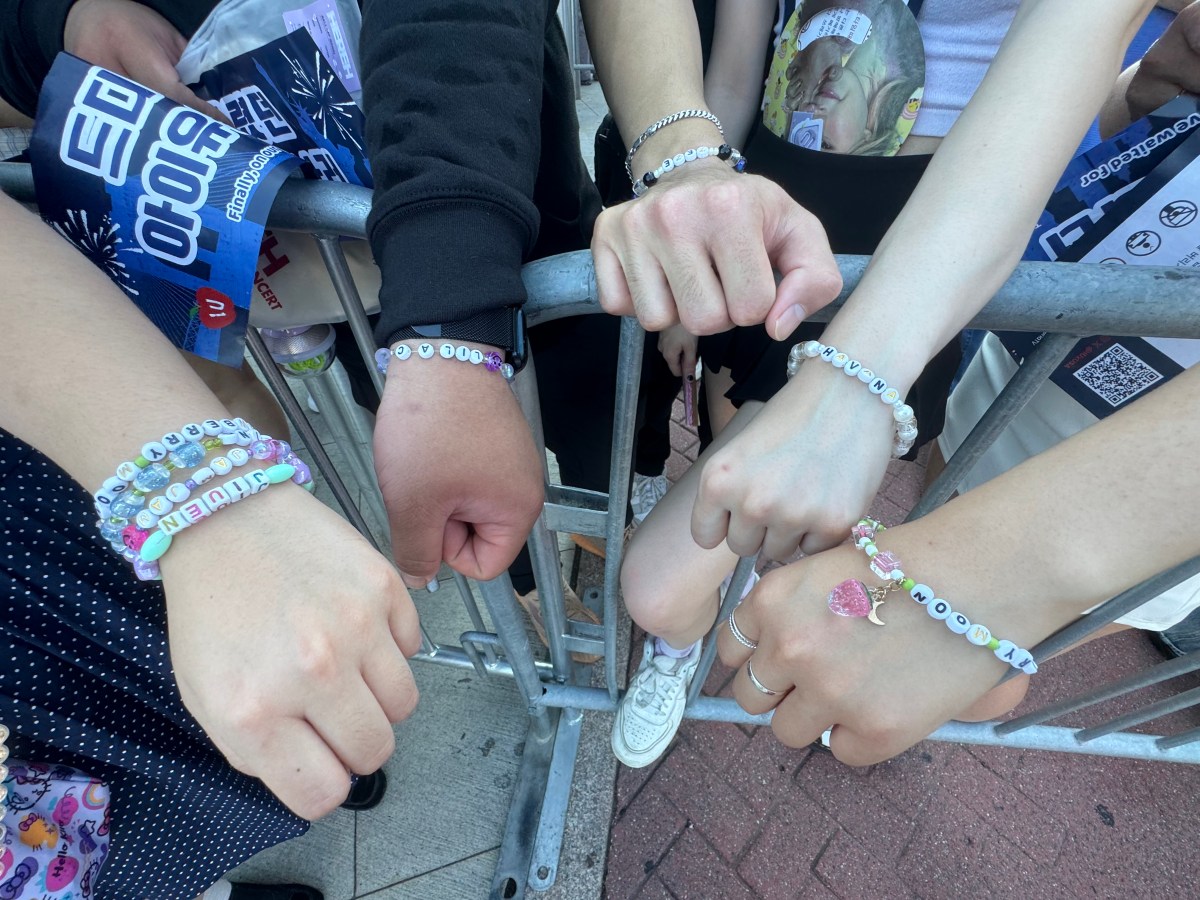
point(1066, 300)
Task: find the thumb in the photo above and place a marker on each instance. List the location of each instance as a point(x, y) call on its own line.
point(809, 279)
point(181, 94)
point(417, 549)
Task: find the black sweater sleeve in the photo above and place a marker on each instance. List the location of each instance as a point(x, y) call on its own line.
point(31, 35)
point(453, 95)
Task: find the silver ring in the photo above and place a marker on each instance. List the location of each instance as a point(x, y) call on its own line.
point(756, 684)
point(738, 635)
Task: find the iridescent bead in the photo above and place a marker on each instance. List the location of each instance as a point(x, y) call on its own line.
point(111, 529)
point(492, 361)
point(303, 473)
point(282, 449)
point(260, 450)
point(189, 455)
point(127, 505)
point(862, 530)
point(383, 356)
point(152, 477)
point(145, 571)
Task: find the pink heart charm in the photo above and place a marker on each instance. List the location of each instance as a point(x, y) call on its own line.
point(850, 599)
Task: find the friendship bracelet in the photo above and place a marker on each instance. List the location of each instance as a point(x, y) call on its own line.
point(492, 361)
point(663, 123)
point(723, 152)
point(853, 598)
point(902, 414)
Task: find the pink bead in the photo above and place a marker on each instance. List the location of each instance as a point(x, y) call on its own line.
point(862, 530)
point(134, 537)
point(883, 564)
point(849, 599)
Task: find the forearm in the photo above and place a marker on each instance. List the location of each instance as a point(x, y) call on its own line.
point(733, 79)
point(967, 223)
point(88, 379)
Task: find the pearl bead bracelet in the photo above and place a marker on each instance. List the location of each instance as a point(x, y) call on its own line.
point(723, 152)
point(902, 414)
point(852, 598)
point(491, 360)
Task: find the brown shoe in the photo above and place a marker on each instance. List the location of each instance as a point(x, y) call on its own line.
point(575, 610)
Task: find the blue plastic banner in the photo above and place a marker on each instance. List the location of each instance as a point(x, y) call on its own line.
point(168, 202)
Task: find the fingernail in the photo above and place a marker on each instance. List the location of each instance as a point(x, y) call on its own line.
point(789, 320)
point(433, 585)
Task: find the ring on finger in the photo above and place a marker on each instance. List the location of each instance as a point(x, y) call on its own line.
point(738, 635)
point(756, 684)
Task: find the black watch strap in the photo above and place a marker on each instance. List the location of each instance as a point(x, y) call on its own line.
point(503, 328)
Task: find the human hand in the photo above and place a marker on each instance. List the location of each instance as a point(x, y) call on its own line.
point(700, 247)
point(800, 473)
point(288, 633)
point(131, 40)
point(678, 347)
point(1170, 67)
point(458, 469)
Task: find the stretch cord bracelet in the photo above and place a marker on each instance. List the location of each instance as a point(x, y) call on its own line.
point(724, 152)
point(492, 361)
point(853, 598)
point(902, 414)
point(663, 123)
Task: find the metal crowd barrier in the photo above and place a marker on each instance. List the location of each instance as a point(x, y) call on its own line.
point(1066, 300)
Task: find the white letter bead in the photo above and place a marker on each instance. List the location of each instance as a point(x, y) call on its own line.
point(229, 440)
point(852, 367)
point(446, 351)
point(866, 376)
point(689, 155)
point(902, 413)
point(828, 352)
point(891, 396)
point(212, 427)
point(922, 593)
point(958, 623)
point(221, 465)
point(176, 521)
point(177, 492)
point(193, 432)
point(238, 456)
point(939, 609)
point(878, 386)
point(173, 440)
point(679, 159)
point(839, 360)
point(193, 512)
point(115, 485)
point(229, 426)
point(215, 498)
point(462, 353)
point(146, 519)
point(1027, 665)
point(402, 351)
point(667, 165)
point(476, 357)
point(979, 635)
point(237, 488)
point(1007, 651)
point(244, 438)
point(154, 451)
point(258, 481)
point(127, 471)
point(425, 350)
point(703, 152)
point(203, 475)
point(160, 505)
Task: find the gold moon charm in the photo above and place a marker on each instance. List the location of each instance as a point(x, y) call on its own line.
point(877, 595)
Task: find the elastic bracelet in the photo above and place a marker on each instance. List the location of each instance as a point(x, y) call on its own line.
point(902, 414)
point(853, 598)
point(724, 152)
point(663, 123)
point(492, 361)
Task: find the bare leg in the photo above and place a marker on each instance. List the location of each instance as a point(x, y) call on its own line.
point(243, 394)
point(670, 583)
point(720, 409)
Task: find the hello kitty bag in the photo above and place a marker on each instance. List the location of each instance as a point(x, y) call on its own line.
point(54, 835)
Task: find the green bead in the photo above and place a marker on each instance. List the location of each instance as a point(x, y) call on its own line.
point(141, 462)
point(309, 485)
point(993, 644)
point(279, 472)
point(908, 584)
point(156, 545)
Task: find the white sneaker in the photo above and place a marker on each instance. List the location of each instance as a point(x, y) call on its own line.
point(647, 491)
point(652, 708)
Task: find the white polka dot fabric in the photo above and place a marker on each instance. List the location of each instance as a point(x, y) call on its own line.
point(88, 682)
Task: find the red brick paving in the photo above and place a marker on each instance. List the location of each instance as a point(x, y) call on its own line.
point(729, 812)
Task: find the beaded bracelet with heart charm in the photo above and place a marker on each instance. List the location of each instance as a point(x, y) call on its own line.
point(853, 598)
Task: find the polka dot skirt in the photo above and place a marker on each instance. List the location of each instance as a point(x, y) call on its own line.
point(88, 682)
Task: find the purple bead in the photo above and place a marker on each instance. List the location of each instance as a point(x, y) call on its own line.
point(261, 449)
point(145, 571)
point(382, 358)
point(282, 449)
point(492, 361)
point(303, 474)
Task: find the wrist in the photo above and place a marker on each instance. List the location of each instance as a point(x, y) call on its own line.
point(673, 139)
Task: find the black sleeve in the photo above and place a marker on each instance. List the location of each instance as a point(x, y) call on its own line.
point(31, 35)
point(453, 97)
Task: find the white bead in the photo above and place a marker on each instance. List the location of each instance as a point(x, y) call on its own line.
point(425, 350)
point(115, 485)
point(193, 512)
point(1027, 665)
point(703, 152)
point(462, 353)
point(891, 396)
point(203, 475)
point(922, 593)
point(212, 427)
point(792, 367)
point(172, 523)
point(839, 360)
point(238, 456)
point(402, 351)
point(899, 449)
point(958, 623)
point(193, 432)
point(852, 367)
point(679, 159)
point(177, 492)
point(939, 609)
point(245, 438)
point(906, 432)
point(667, 165)
point(796, 353)
point(689, 155)
point(866, 376)
point(160, 505)
point(146, 519)
point(221, 465)
point(228, 426)
point(896, 575)
point(812, 349)
point(215, 498)
point(476, 356)
point(258, 481)
point(862, 542)
point(877, 386)
point(172, 440)
point(508, 371)
point(828, 352)
point(103, 500)
point(154, 451)
point(979, 635)
point(229, 440)
point(127, 471)
point(237, 488)
point(446, 351)
point(902, 413)
point(1007, 652)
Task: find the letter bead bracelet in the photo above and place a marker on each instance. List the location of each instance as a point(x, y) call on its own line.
point(663, 123)
point(853, 598)
point(723, 152)
point(492, 361)
point(140, 530)
point(902, 414)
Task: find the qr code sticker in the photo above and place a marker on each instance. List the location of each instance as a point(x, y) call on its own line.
point(1116, 375)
